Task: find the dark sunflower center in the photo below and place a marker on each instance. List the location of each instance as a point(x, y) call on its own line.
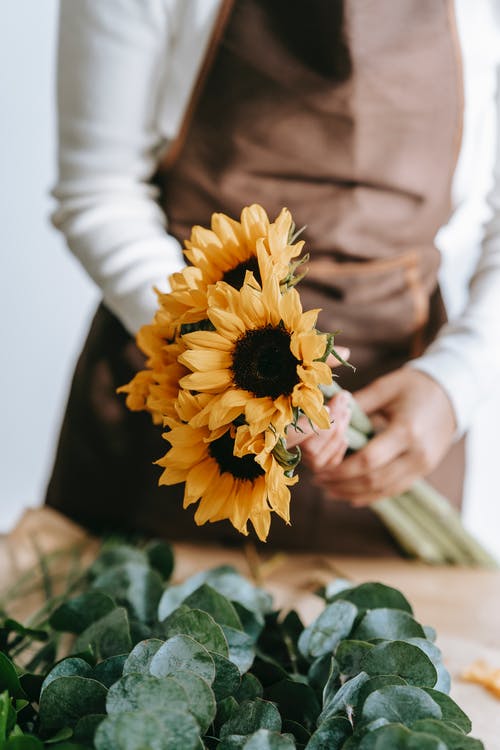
point(241, 468)
point(236, 276)
point(263, 362)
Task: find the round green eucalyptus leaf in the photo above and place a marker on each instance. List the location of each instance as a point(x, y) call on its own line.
point(182, 652)
point(330, 734)
point(241, 648)
point(430, 633)
point(69, 667)
point(296, 701)
point(443, 682)
point(333, 624)
point(140, 692)
point(113, 554)
point(75, 615)
point(324, 673)
point(345, 699)
point(110, 670)
point(67, 699)
point(390, 624)
point(249, 689)
point(263, 739)
point(398, 737)
point(199, 625)
point(453, 738)
point(227, 677)
point(351, 655)
point(403, 659)
point(139, 659)
point(106, 637)
point(134, 585)
point(251, 622)
point(227, 581)
point(237, 588)
point(161, 557)
point(451, 711)
point(251, 716)
point(86, 728)
point(375, 683)
point(226, 708)
point(200, 698)
point(332, 684)
point(216, 604)
point(400, 704)
point(177, 730)
point(372, 596)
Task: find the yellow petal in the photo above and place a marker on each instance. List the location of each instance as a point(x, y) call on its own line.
point(207, 382)
point(227, 323)
point(205, 360)
point(308, 346)
point(290, 309)
point(255, 224)
point(227, 408)
point(198, 479)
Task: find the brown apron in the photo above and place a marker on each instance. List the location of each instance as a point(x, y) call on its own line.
point(348, 113)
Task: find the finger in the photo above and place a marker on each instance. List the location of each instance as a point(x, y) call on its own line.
point(376, 395)
point(379, 452)
point(388, 482)
point(321, 453)
point(335, 454)
point(340, 412)
point(381, 483)
point(336, 406)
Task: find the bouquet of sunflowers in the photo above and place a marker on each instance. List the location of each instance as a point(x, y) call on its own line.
point(233, 363)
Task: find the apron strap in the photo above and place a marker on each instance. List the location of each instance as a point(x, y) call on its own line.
point(222, 19)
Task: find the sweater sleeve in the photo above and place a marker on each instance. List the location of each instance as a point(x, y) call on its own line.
point(465, 357)
point(112, 62)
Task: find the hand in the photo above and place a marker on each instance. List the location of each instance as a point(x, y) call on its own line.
point(325, 447)
point(419, 428)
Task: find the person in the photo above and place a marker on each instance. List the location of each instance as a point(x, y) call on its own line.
point(353, 116)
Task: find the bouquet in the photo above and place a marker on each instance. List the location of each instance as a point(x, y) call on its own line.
point(233, 363)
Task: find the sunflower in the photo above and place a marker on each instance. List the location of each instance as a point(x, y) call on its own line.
point(240, 488)
point(225, 253)
point(155, 388)
point(263, 360)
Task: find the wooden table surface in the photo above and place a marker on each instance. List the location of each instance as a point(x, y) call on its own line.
point(463, 605)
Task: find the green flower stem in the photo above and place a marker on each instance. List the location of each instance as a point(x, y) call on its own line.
point(433, 502)
point(409, 535)
point(451, 549)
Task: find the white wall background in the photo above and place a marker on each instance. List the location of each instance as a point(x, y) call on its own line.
point(46, 300)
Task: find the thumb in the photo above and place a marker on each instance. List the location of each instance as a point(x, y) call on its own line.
point(377, 395)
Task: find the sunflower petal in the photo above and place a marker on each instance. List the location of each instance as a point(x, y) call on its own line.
point(207, 382)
